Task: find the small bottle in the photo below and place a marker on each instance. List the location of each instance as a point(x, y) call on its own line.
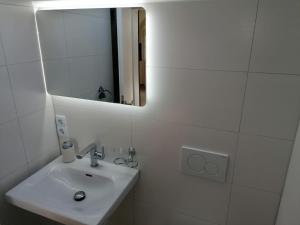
point(68, 151)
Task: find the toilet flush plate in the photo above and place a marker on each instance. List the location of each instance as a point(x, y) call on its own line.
point(203, 163)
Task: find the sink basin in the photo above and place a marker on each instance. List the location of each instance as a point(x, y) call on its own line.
point(50, 191)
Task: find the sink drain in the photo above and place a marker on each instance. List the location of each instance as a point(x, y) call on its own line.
point(79, 196)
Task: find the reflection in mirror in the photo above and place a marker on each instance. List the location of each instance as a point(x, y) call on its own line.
point(95, 54)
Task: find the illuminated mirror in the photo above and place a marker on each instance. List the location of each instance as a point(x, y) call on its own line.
point(95, 54)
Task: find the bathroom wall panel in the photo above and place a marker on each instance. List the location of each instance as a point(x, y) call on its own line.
point(194, 98)
point(2, 57)
point(290, 201)
point(207, 35)
point(111, 127)
point(39, 133)
point(252, 206)
point(219, 40)
point(181, 96)
point(87, 35)
point(272, 105)
point(23, 102)
point(59, 70)
point(262, 162)
point(18, 34)
point(12, 151)
point(276, 46)
point(159, 144)
point(52, 34)
point(28, 87)
point(8, 110)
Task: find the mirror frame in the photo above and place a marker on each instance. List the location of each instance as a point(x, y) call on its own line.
point(88, 4)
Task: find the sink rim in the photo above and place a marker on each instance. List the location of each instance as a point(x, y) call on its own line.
point(123, 179)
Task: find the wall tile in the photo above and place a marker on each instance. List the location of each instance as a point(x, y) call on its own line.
point(272, 105)
point(86, 74)
point(111, 124)
point(82, 37)
point(40, 160)
point(158, 150)
point(39, 133)
point(149, 214)
point(202, 198)
point(262, 162)
point(17, 2)
point(28, 87)
point(2, 56)
point(52, 34)
point(201, 34)
point(252, 207)
point(276, 46)
point(156, 214)
point(100, 13)
point(17, 28)
point(288, 212)
point(210, 99)
point(12, 152)
point(177, 218)
point(57, 77)
point(7, 109)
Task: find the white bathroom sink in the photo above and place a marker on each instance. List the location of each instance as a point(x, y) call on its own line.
point(50, 191)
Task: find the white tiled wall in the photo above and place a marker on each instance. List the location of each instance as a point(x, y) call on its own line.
point(222, 75)
point(200, 93)
point(27, 134)
point(290, 201)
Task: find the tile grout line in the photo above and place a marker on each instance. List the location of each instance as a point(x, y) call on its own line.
point(241, 118)
point(215, 129)
point(194, 68)
point(203, 127)
point(60, 58)
point(274, 73)
point(22, 63)
point(258, 189)
point(82, 14)
point(265, 136)
point(220, 70)
point(15, 4)
point(231, 183)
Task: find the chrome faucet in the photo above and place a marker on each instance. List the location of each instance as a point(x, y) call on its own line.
point(94, 154)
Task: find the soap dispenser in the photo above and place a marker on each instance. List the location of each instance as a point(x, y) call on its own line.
point(68, 151)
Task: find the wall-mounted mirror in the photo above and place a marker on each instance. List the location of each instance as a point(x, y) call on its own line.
point(95, 54)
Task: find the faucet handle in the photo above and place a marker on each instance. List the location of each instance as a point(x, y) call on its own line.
point(100, 155)
point(89, 148)
point(131, 153)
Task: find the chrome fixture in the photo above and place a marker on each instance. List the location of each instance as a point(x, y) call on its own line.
point(79, 196)
point(130, 161)
point(94, 154)
point(131, 154)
